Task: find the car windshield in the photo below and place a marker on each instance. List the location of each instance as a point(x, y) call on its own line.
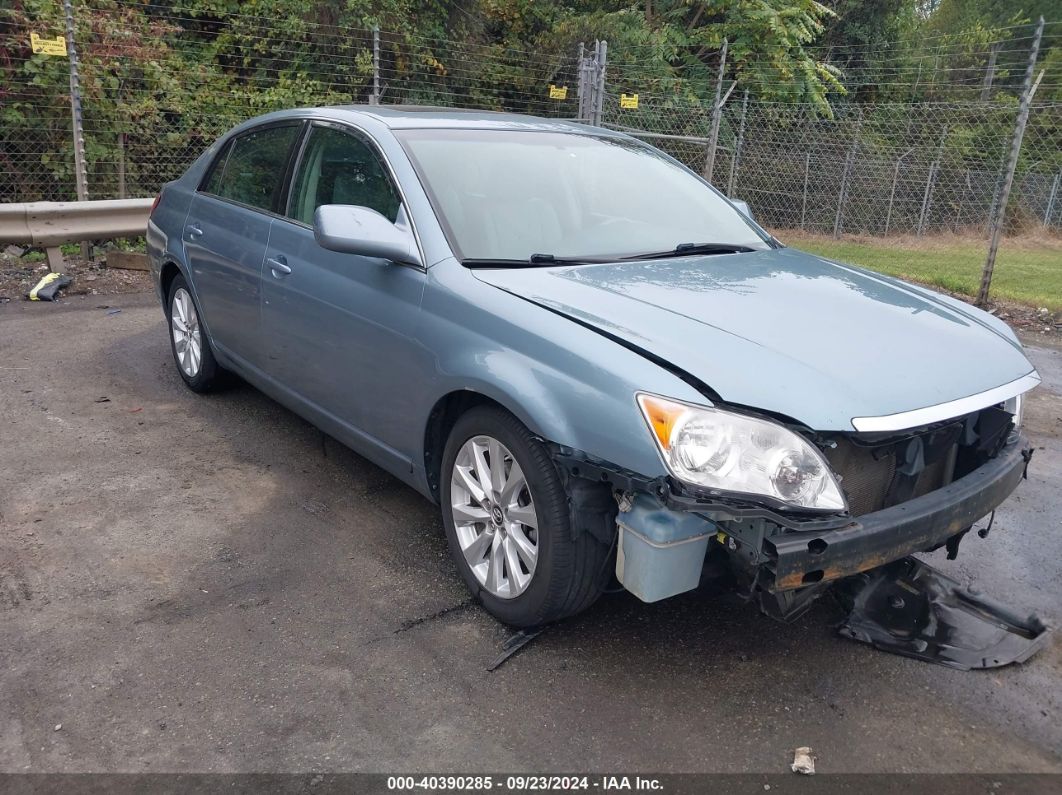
point(511, 194)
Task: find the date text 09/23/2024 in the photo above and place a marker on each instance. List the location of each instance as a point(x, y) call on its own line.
point(522, 783)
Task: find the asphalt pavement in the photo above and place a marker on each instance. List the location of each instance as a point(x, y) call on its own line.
point(209, 583)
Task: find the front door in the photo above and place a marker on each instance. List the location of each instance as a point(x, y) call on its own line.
point(339, 327)
point(226, 232)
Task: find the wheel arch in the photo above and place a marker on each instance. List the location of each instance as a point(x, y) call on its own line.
point(444, 415)
point(169, 271)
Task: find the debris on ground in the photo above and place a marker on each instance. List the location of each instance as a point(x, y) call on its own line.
point(47, 289)
point(513, 644)
point(128, 260)
point(19, 272)
point(910, 608)
point(803, 761)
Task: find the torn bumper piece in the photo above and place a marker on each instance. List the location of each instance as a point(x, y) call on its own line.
point(797, 559)
point(912, 609)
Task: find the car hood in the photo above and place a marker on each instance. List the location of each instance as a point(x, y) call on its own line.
point(786, 332)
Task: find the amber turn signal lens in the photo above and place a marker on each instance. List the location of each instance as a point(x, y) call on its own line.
point(662, 416)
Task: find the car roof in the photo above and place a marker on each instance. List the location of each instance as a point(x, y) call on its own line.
point(407, 117)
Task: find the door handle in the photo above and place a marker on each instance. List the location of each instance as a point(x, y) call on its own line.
point(279, 266)
point(193, 231)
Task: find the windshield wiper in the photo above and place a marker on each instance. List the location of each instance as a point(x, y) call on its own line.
point(548, 260)
point(534, 261)
point(688, 249)
point(551, 259)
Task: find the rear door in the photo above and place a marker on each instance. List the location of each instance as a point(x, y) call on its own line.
point(227, 229)
point(339, 327)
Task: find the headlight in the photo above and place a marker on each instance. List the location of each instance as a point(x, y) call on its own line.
point(722, 450)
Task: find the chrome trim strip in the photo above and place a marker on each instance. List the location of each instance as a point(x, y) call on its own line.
point(946, 411)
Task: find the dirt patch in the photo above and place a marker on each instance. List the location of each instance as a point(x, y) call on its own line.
point(1030, 323)
point(19, 274)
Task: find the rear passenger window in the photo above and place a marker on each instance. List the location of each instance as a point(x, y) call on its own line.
point(217, 170)
point(252, 171)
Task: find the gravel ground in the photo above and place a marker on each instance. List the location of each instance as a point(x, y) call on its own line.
point(18, 275)
point(209, 584)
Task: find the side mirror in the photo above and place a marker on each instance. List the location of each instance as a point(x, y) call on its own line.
point(743, 208)
point(349, 229)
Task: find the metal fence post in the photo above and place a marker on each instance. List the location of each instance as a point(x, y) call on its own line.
point(374, 99)
point(990, 73)
point(1028, 89)
point(80, 170)
point(735, 160)
point(804, 201)
point(849, 161)
point(121, 165)
point(1051, 200)
point(717, 114)
point(599, 97)
point(892, 191)
point(592, 82)
point(931, 181)
point(580, 91)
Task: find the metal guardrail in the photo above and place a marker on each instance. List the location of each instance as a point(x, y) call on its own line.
point(51, 224)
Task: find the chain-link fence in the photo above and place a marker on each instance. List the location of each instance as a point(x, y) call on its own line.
point(911, 187)
point(153, 102)
point(871, 169)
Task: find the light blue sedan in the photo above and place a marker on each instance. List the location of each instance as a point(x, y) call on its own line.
point(594, 362)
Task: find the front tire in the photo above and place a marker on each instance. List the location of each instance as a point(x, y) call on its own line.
point(506, 515)
point(188, 341)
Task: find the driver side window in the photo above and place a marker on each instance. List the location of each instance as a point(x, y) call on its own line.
point(338, 168)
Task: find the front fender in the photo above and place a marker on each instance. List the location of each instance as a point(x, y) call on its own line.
point(567, 383)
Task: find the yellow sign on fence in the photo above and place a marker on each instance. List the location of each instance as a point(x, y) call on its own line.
point(558, 92)
point(56, 46)
point(629, 101)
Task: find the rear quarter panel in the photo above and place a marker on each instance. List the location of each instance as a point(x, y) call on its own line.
point(165, 242)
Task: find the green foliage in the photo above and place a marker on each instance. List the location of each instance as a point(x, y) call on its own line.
point(162, 78)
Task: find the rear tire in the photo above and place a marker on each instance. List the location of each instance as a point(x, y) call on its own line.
point(188, 340)
point(493, 531)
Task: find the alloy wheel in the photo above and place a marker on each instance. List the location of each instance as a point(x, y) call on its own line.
point(187, 336)
point(494, 515)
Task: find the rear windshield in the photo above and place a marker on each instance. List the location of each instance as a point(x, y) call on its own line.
point(509, 194)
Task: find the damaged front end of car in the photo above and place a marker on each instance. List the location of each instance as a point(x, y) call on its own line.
point(901, 493)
